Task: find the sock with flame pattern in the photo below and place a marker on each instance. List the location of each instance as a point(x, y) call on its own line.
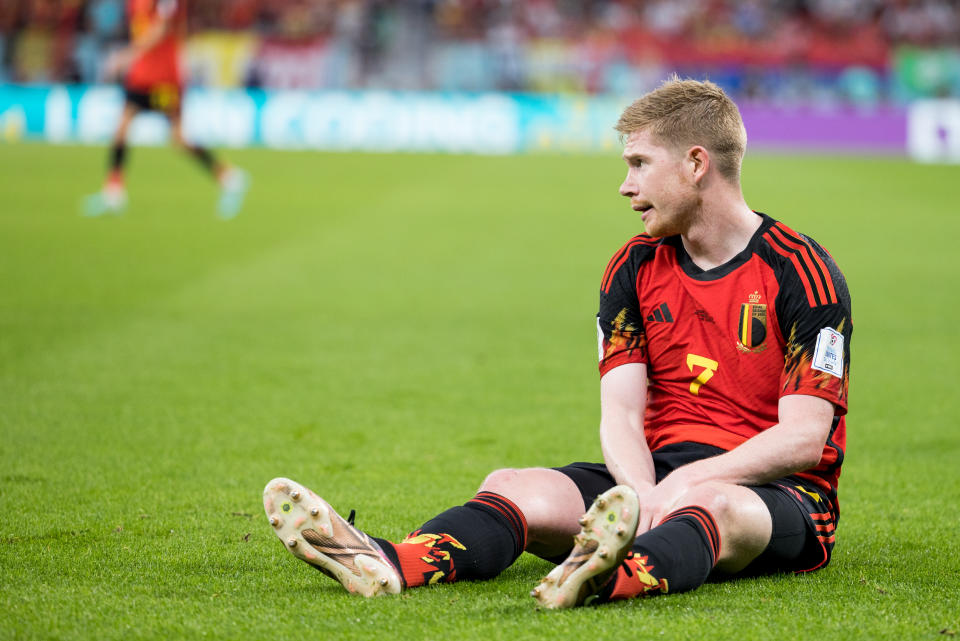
point(477, 540)
point(675, 556)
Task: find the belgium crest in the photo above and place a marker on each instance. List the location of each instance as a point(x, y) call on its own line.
point(752, 329)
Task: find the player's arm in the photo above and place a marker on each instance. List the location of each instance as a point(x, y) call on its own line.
point(794, 444)
point(623, 399)
point(623, 355)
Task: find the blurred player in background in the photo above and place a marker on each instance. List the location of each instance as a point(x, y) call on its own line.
point(153, 82)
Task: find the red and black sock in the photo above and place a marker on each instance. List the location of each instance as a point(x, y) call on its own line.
point(675, 556)
point(204, 157)
point(118, 156)
point(477, 540)
point(118, 162)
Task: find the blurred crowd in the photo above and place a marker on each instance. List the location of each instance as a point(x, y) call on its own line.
point(856, 50)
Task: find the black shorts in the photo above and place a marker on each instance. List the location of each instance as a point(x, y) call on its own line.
point(803, 523)
point(164, 98)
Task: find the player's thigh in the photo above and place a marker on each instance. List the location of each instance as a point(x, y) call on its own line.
point(743, 521)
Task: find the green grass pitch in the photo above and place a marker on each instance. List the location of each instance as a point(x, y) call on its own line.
point(387, 329)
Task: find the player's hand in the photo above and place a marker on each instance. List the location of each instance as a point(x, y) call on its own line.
point(659, 501)
point(117, 63)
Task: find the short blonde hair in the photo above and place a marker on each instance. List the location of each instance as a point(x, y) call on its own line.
point(683, 113)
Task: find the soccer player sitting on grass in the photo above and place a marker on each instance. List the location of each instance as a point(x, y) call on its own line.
point(724, 341)
point(153, 83)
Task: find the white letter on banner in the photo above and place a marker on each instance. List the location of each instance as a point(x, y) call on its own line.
point(98, 113)
point(495, 125)
point(149, 128)
point(325, 121)
point(448, 127)
point(430, 124)
point(933, 131)
point(57, 119)
point(400, 119)
point(219, 117)
point(374, 127)
point(281, 121)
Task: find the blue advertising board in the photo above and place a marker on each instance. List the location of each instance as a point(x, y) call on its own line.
point(438, 122)
point(488, 123)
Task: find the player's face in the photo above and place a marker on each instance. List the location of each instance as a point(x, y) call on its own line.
point(658, 185)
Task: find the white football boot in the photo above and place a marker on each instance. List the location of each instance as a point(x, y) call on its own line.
point(111, 200)
point(606, 536)
point(315, 533)
point(233, 189)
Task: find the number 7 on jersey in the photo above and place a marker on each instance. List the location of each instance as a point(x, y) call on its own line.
point(710, 368)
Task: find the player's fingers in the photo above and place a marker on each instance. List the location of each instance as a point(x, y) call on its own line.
point(655, 516)
point(643, 523)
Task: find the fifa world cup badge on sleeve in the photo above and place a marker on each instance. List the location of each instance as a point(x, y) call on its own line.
point(828, 354)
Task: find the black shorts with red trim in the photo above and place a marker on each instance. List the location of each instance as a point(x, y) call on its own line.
point(163, 97)
point(803, 521)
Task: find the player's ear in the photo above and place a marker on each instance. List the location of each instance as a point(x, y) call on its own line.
point(698, 159)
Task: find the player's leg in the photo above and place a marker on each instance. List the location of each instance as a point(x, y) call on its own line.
point(515, 510)
point(202, 155)
point(112, 197)
point(118, 146)
point(713, 525)
point(803, 531)
point(599, 549)
point(473, 541)
point(233, 181)
point(550, 501)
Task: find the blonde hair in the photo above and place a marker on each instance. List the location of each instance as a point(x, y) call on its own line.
point(682, 113)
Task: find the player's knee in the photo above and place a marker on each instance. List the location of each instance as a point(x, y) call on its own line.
point(532, 486)
point(714, 498)
point(521, 486)
point(501, 481)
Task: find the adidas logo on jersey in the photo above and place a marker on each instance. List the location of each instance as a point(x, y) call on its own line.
point(661, 315)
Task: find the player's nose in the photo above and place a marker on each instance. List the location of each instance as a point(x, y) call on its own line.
point(628, 187)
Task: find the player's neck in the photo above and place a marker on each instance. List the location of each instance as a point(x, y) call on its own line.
point(720, 232)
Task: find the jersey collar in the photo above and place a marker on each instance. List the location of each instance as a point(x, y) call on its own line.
point(690, 268)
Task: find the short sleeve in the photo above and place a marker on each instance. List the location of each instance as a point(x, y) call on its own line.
point(620, 333)
point(815, 317)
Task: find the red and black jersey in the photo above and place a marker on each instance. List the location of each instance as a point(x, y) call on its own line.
point(160, 64)
point(723, 345)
